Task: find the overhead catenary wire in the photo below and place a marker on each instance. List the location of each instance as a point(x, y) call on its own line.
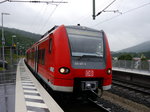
point(104, 10)
point(83, 18)
point(52, 2)
point(42, 9)
point(44, 25)
point(3, 1)
point(130, 10)
point(35, 1)
point(40, 20)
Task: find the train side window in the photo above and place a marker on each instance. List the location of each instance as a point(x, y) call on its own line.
point(43, 57)
point(39, 56)
point(33, 53)
point(50, 45)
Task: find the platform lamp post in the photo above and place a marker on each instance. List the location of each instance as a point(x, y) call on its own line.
point(3, 40)
point(13, 36)
point(17, 50)
point(13, 45)
point(20, 50)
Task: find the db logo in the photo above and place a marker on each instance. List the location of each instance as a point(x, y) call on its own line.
point(89, 73)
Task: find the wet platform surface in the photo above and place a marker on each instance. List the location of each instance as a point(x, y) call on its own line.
point(7, 89)
point(7, 97)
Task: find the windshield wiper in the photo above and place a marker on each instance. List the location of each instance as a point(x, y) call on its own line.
point(89, 56)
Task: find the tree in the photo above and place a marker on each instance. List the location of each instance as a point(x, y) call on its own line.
point(125, 57)
point(143, 57)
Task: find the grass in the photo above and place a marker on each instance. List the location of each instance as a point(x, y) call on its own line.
point(7, 58)
point(1, 69)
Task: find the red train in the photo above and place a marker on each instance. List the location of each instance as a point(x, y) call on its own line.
point(72, 59)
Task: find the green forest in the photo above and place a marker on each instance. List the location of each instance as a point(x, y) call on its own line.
point(131, 55)
point(18, 37)
point(16, 43)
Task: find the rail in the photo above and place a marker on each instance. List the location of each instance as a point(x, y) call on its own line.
point(95, 98)
point(133, 86)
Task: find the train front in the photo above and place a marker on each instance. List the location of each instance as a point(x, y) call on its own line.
point(90, 59)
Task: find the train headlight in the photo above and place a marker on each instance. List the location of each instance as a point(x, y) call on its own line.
point(109, 71)
point(64, 70)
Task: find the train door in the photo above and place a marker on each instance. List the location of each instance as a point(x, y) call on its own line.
point(36, 59)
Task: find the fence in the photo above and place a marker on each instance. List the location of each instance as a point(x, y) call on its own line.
point(132, 64)
point(11, 53)
point(11, 56)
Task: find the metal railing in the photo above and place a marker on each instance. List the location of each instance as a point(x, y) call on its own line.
point(9, 75)
point(132, 64)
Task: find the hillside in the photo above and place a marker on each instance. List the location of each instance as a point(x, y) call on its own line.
point(143, 47)
point(24, 38)
point(24, 33)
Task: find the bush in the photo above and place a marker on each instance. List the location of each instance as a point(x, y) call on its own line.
point(125, 57)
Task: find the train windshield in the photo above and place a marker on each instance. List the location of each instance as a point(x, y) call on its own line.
point(86, 43)
point(86, 46)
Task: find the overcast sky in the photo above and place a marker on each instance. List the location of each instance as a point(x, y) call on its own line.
point(123, 30)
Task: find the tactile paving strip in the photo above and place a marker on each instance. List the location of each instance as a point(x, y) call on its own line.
point(33, 100)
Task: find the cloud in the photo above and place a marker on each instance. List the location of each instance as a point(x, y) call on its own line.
point(123, 31)
point(128, 29)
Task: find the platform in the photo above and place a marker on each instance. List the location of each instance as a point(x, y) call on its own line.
point(134, 71)
point(30, 94)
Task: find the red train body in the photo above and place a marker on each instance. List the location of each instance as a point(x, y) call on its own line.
point(72, 58)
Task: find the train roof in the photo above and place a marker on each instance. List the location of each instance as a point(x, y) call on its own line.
point(67, 26)
point(82, 28)
point(71, 26)
point(49, 31)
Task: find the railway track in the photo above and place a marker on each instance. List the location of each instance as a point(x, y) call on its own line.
point(100, 105)
point(144, 89)
point(82, 104)
point(96, 101)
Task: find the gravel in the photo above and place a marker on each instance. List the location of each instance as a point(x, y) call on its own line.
point(117, 99)
point(125, 103)
point(113, 107)
point(81, 105)
point(131, 95)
